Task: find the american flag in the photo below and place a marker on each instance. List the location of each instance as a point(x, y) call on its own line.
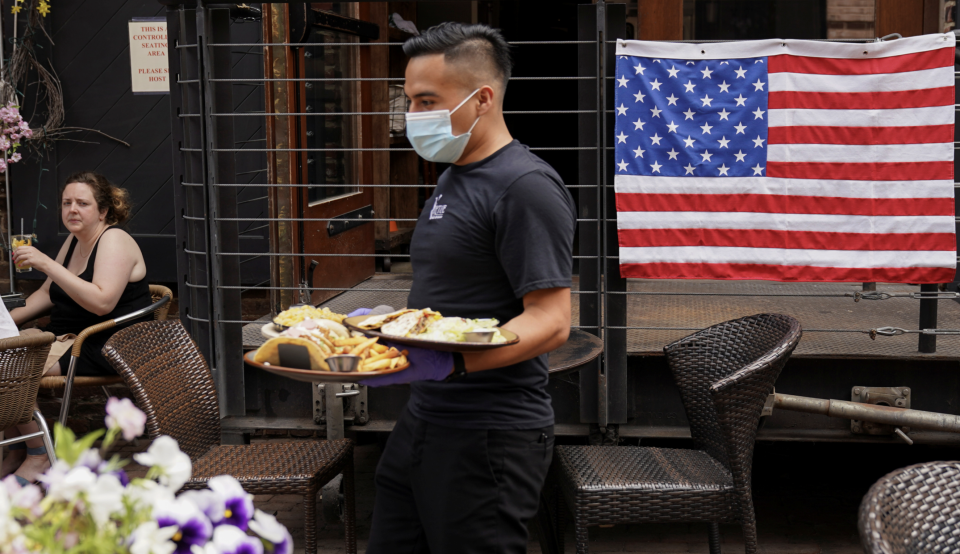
point(786, 160)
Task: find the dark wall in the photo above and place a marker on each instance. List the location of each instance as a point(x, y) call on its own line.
point(90, 53)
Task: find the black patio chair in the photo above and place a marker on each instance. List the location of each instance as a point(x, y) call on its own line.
point(913, 510)
point(724, 374)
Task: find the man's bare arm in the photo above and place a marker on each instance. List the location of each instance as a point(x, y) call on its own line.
point(543, 326)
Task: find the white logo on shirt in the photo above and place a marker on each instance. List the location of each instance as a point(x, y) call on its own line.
point(438, 209)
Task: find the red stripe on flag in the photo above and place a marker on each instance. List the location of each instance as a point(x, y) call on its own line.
point(787, 273)
point(785, 63)
point(892, 171)
point(802, 240)
point(782, 204)
point(926, 134)
point(923, 98)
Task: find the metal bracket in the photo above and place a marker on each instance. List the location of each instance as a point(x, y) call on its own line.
point(349, 220)
point(347, 402)
point(895, 397)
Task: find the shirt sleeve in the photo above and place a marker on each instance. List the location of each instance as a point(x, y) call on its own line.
point(535, 221)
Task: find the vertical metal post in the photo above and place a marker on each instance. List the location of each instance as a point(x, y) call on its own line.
point(588, 98)
point(614, 382)
point(928, 320)
point(227, 366)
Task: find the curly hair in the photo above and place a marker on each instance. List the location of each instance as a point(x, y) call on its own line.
point(109, 197)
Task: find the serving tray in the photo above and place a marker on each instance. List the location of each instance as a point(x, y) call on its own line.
point(353, 323)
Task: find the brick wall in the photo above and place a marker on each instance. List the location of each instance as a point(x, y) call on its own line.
point(851, 19)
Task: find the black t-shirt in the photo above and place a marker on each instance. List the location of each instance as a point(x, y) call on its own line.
point(493, 231)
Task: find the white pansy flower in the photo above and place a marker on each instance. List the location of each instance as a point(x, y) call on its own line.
point(149, 538)
point(146, 493)
point(78, 480)
point(105, 499)
point(230, 540)
point(268, 528)
point(124, 415)
point(165, 455)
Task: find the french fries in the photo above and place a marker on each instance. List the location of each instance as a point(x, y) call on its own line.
point(373, 356)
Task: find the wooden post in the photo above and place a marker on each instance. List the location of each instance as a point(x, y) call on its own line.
point(376, 129)
point(899, 16)
point(660, 19)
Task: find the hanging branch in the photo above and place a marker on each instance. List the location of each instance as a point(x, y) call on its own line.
point(49, 95)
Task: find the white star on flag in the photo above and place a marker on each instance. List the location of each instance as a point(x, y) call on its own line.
point(655, 167)
point(689, 142)
point(655, 139)
point(706, 100)
point(639, 69)
point(639, 96)
point(723, 142)
point(689, 169)
point(673, 154)
point(740, 156)
point(622, 165)
point(672, 100)
point(740, 128)
point(758, 114)
point(655, 85)
point(689, 113)
point(723, 169)
point(621, 137)
point(740, 100)
point(672, 127)
point(689, 86)
point(724, 87)
point(622, 110)
point(638, 153)
point(706, 155)
point(741, 73)
point(706, 128)
point(655, 111)
point(757, 170)
point(622, 80)
point(673, 72)
point(706, 73)
point(758, 141)
point(723, 114)
point(758, 85)
point(638, 125)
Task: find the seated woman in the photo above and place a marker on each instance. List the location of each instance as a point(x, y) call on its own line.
point(99, 274)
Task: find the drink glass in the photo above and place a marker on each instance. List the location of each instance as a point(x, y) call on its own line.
point(18, 241)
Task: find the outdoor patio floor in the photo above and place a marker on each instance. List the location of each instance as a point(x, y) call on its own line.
point(699, 304)
point(806, 494)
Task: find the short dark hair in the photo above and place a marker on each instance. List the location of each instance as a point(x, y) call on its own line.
point(462, 42)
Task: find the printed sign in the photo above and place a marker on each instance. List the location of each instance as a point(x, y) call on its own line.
point(149, 73)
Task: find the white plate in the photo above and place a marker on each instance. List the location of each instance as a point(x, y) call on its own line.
point(270, 331)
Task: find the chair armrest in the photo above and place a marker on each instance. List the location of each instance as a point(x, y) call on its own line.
point(110, 324)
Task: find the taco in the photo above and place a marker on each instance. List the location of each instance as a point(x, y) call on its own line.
point(375, 321)
point(270, 352)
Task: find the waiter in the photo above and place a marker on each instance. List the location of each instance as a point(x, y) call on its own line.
point(463, 468)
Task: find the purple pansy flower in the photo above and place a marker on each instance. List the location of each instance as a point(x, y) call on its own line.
point(238, 505)
point(269, 529)
point(193, 527)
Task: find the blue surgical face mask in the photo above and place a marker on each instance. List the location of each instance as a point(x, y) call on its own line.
point(431, 134)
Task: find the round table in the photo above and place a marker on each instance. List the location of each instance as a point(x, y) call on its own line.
point(581, 347)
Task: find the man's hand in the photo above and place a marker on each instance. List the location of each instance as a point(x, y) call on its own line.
point(425, 365)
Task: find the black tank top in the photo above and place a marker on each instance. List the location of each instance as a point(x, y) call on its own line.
point(69, 317)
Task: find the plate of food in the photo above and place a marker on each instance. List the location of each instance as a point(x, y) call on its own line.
point(429, 329)
point(323, 351)
point(296, 314)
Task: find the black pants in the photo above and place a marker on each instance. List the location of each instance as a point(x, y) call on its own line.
point(444, 491)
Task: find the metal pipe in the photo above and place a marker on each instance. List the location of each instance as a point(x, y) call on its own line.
point(899, 417)
point(927, 344)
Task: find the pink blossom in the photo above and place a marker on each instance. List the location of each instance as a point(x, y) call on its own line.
point(4, 143)
point(124, 415)
point(15, 157)
point(14, 137)
point(28, 133)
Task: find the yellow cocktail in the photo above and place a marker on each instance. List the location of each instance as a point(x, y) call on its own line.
point(18, 241)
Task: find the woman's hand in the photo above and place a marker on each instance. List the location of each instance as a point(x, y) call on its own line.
point(31, 257)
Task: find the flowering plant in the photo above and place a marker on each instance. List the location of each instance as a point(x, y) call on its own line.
point(92, 506)
point(12, 129)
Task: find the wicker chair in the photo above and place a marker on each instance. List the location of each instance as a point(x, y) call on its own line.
point(21, 367)
point(160, 297)
point(724, 374)
point(172, 384)
point(913, 510)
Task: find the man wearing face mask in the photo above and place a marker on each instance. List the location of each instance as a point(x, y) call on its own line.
point(463, 468)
